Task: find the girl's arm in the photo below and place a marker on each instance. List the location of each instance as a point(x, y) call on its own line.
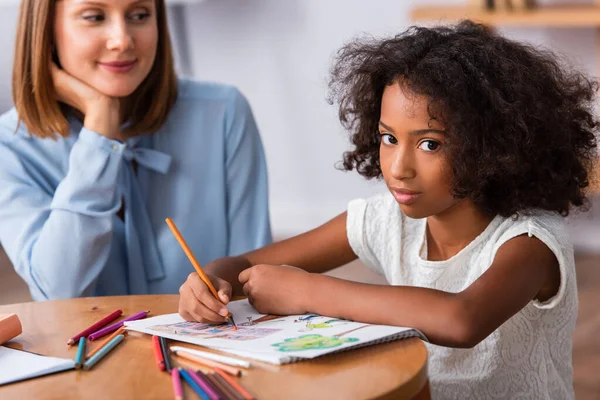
point(524, 268)
point(59, 240)
point(318, 250)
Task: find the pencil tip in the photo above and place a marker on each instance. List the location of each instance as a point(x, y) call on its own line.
point(232, 322)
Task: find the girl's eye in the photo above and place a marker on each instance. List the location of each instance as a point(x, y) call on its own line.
point(386, 138)
point(429, 145)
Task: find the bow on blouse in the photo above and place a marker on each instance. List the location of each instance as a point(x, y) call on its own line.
point(143, 258)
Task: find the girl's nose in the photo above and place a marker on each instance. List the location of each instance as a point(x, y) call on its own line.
point(402, 166)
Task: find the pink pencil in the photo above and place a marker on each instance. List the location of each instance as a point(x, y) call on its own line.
point(115, 326)
point(177, 390)
point(95, 327)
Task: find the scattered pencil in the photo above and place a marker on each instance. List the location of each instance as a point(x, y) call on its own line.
point(235, 385)
point(80, 358)
point(209, 363)
point(219, 384)
point(206, 386)
point(111, 328)
point(158, 355)
point(186, 376)
point(176, 380)
point(165, 353)
point(96, 326)
point(234, 362)
point(230, 390)
point(103, 352)
point(120, 331)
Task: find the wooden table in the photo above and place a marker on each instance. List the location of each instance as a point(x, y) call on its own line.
point(396, 370)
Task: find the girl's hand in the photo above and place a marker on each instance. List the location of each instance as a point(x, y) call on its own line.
point(102, 113)
point(196, 302)
point(279, 290)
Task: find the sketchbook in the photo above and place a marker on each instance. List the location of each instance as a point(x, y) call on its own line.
point(18, 365)
point(271, 338)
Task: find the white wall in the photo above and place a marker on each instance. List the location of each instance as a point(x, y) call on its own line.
point(278, 52)
point(8, 26)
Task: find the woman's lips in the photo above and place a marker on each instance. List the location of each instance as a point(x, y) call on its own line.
point(118, 66)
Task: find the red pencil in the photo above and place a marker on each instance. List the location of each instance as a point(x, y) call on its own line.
point(160, 361)
point(95, 327)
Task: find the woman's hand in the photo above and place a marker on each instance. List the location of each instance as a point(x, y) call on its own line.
point(196, 302)
point(279, 290)
point(102, 113)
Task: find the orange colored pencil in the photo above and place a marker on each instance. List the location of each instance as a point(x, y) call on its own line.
point(196, 265)
point(235, 385)
point(212, 364)
point(119, 331)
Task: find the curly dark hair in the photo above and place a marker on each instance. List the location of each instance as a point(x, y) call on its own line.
point(520, 127)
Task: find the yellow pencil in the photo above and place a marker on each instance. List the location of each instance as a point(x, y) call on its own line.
point(196, 265)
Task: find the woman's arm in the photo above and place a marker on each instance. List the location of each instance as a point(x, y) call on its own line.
point(60, 241)
point(246, 174)
point(524, 268)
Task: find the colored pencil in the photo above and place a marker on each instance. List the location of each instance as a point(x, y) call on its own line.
point(115, 326)
point(186, 376)
point(219, 388)
point(160, 361)
point(100, 345)
point(80, 358)
point(234, 384)
point(234, 362)
point(206, 386)
point(196, 265)
point(226, 387)
point(165, 353)
point(213, 364)
point(109, 318)
point(204, 376)
point(103, 352)
point(176, 380)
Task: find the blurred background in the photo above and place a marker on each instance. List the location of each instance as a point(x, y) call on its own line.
point(278, 53)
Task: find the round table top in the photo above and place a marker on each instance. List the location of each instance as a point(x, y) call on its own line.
point(395, 370)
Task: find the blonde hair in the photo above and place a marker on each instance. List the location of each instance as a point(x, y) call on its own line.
point(33, 92)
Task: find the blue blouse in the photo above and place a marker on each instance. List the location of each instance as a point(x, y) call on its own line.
point(205, 168)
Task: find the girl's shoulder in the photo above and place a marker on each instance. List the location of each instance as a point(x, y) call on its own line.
point(549, 226)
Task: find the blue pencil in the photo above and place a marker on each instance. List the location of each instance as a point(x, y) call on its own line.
point(80, 358)
point(184, 374)
point(103, 351)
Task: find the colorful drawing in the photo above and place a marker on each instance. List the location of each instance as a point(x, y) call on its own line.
point(306, 317)
point(208, 331)
point(264, 318)
point(311, 322)
point(315, 341)
point(312, 342)
point(321, 325)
